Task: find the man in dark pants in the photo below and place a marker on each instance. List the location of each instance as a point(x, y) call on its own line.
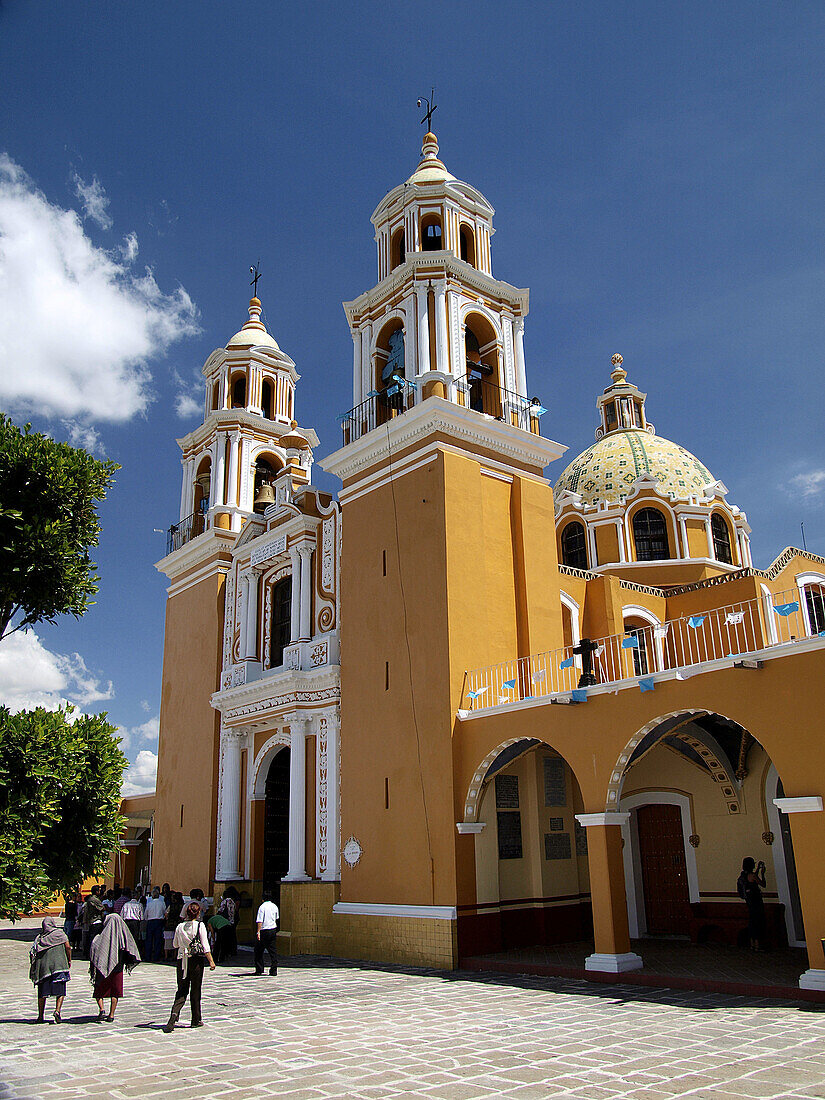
point(266, 924)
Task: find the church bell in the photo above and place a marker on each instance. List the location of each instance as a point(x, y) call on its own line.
point(265, 497)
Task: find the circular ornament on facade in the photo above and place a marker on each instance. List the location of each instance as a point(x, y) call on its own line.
point(352, 851)
point(693, 840)
point(768, 837)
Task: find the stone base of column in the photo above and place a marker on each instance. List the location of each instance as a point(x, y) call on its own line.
point(296, 878)
point(812, 979)
point(614, 964)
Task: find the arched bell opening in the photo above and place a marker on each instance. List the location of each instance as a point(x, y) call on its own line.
point(237, 389)
point(431, 236)
point(267, 398)
point(216, 396)
point(532, 871)
point(266, 470)
point(698, 790)
point(467, 244)
point(398, 249)
point(201, 493)
point(276, 823)
point(389, 371)
point(481, 350)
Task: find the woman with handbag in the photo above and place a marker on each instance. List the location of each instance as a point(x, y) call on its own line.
point(192, 944)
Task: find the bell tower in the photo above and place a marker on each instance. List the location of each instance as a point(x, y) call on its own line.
point(437, 322)
point(448, 556)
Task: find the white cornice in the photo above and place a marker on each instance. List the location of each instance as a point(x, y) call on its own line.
point(226, 420)
point(435, 415)
point(663, 562)
point(261, 354)
point(403, 278)
point(215, 544)
point(276, 691)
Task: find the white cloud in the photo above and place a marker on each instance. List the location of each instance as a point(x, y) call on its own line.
point(78, 326)
point(33, 676)
point(810, 486)
point(95, 200)
point(82, 435)
point(141, 777)
point(133, 735)
point(186, 406)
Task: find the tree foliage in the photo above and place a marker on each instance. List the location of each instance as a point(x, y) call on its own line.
point(48, 522)
point(60, 820)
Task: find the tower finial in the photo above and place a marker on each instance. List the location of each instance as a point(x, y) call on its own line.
point(431, 107)
point(618, 374)
point(255, 272)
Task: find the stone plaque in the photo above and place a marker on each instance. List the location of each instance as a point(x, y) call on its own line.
point(506, 792)
point(555, 785)
point(509, 834)
point(269, 550)
point(557, 846)
point(556, 824)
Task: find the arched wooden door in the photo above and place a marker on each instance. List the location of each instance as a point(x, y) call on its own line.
point(664, 871)
point(276, 823)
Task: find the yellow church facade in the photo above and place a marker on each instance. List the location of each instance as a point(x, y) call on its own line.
point(458, 710)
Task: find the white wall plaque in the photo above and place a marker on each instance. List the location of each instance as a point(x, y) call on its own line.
point(269, 550)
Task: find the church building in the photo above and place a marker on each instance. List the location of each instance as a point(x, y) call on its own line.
point(459, 709)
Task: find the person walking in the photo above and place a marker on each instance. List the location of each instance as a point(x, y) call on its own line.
point(230, 909)
point(155, 917)
point(51, 961)
point(266, 923)
point(111, 950)
point(192, 945)
point(92, 918)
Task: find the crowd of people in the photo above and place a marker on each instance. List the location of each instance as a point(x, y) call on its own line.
point(119, 928)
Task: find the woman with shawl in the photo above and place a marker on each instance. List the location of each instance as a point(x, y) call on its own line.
point(51, 960)
point(193, 953)
point(111, 950)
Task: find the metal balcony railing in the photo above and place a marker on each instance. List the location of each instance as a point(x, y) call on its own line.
point(184, 531)
point(740, 630)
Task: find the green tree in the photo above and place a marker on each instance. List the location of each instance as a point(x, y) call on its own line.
point(60, 820)
point(48, 522)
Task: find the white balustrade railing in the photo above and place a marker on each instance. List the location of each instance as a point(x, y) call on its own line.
point(740, 629)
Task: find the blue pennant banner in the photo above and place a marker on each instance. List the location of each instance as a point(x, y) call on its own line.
point(568, 663)
point(630, 643)
point(786, 608)
point(476, 694)
point(647, 685)
point(695, 621)
point(578, 695)
point(510, 685)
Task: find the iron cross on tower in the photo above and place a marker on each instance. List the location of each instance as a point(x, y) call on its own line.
point(256, 274)
point(431, 107)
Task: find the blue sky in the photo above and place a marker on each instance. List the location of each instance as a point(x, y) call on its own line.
point(657, 175)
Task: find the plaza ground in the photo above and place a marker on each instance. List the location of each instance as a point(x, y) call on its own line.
point(327, 1028)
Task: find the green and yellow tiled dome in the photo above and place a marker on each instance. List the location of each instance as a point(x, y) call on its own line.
point(607, 470)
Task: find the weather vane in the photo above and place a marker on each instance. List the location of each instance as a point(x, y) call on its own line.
point(431, 107)
point(256, 274)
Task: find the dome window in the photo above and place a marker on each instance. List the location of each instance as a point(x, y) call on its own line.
point(721, 539)
point(467, 245)
point(574, 546)
point(431, 233)
point(650, 535)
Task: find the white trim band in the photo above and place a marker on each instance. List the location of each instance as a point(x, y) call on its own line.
point(810, 803)
point(377, 909)
point(615, 818)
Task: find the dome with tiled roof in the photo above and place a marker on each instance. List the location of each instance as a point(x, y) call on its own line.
point(626, 448)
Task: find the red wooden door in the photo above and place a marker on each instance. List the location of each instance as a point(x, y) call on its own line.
point(664, 874)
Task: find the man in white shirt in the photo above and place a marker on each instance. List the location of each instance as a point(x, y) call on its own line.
point(155, 919)
point(266, 923)
point(132, 915)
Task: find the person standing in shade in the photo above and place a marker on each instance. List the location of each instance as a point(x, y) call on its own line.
point(155, 918)
point(71, 914)
point(92, 918)
point(192, 944)
point(266, 923)
point(173, 919)
point(111, 950)
point(749, 887)
point(51, 961)
point(132, 914)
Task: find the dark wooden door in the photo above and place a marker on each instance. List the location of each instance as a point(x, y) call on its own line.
point(664, 874)
point(276, 824)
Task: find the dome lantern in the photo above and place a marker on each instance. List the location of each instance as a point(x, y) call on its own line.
point(622, 405)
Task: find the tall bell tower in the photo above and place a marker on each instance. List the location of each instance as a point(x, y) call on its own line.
point(448, 552)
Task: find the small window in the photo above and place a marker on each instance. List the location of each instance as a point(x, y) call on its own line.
point(641, 664)
point(721, 539)
point(815, 604)
point(431, 234)
point(610, 416)
point(574, 546)
point(650, 535)
point(281, 621)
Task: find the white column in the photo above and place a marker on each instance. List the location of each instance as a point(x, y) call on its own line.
point(441, 357)
point(423, 326)
point(521, 370)
point(508, 378)
point(685, 551)
point(332, 872)
point(295, 604)
point(709, 535)
point(367, 381)
point(220, 468)
point(213, 476)
point(357, 396)
point(251, 632)
point(244, 607)
point(305, 620)
point(591, 537)
point(229, 806)
point(620, 536)
point(234, 443)
point(185, 479)
point(244, 500)
point(297, 800)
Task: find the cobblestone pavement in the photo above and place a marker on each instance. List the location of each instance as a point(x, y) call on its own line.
point(328, 1029)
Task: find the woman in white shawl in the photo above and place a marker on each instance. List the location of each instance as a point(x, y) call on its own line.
point(112, 949)
point(192, 944)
